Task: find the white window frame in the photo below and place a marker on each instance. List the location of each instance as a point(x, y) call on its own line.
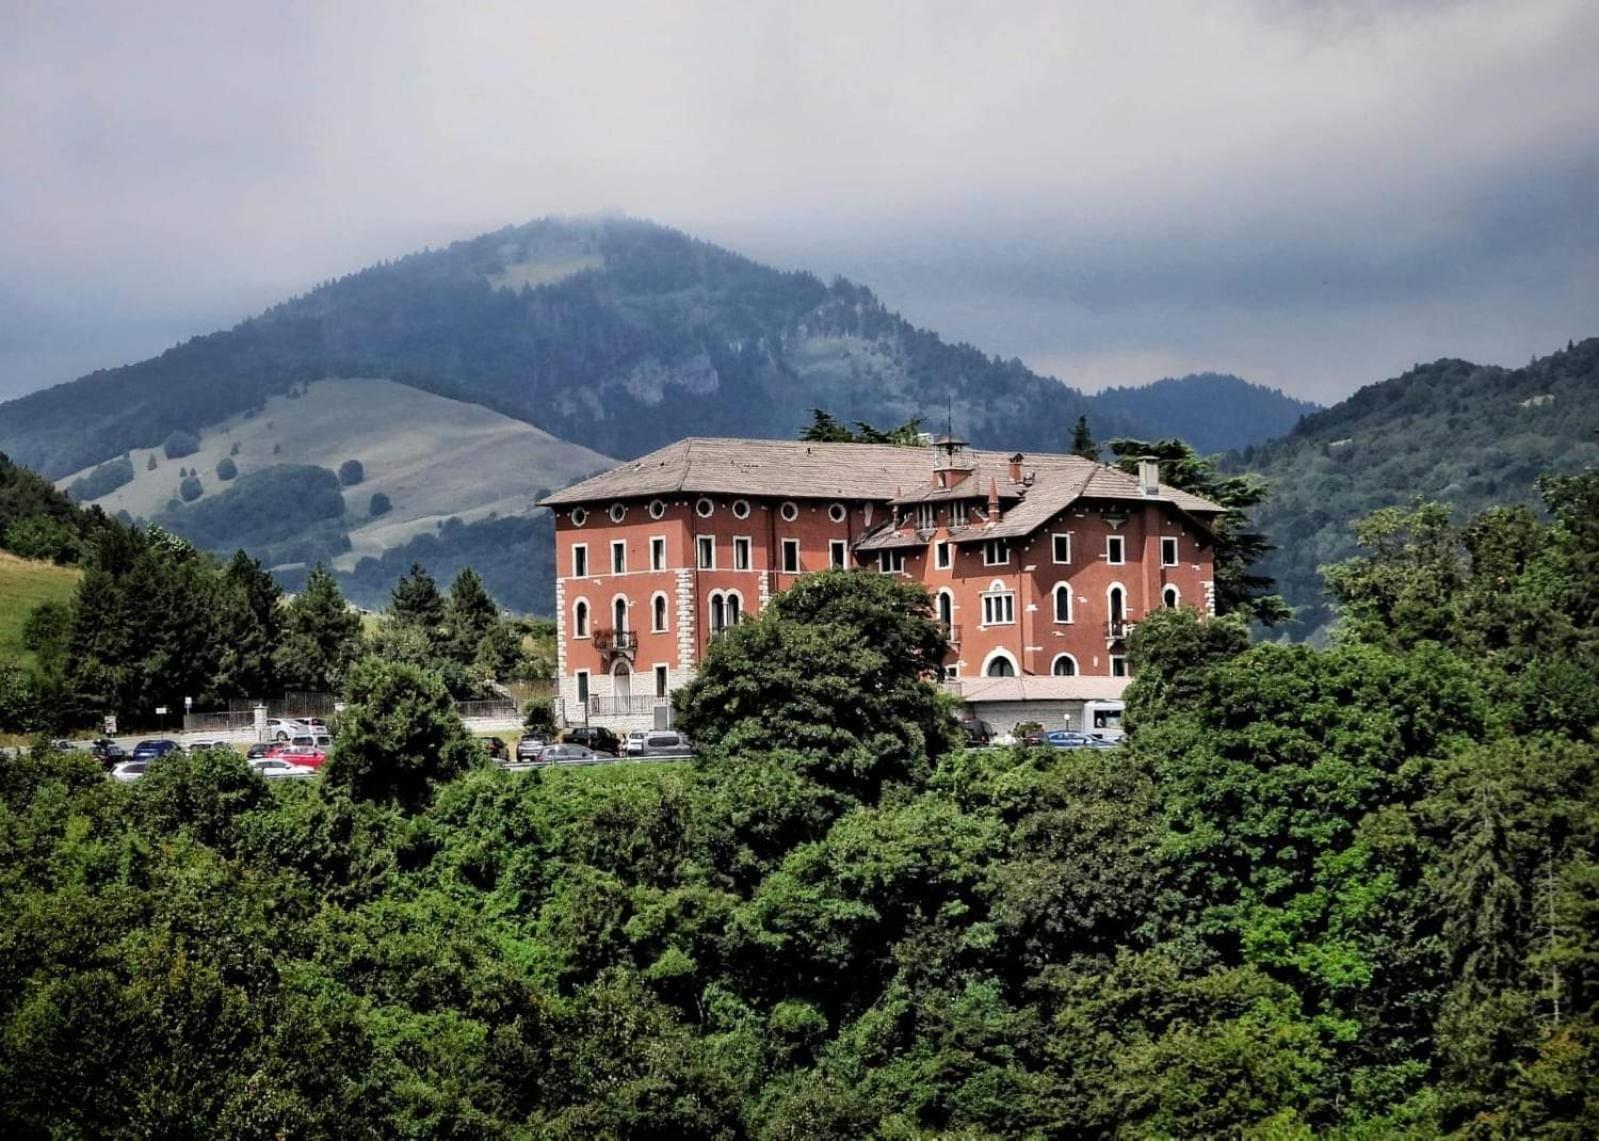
point(705, 551)
point(1118, 665)
point(943, 554)
point(926, 516)
point(788, 565)
point(1055, 540)
point(580, 555)
point(999, 607)
point(661, 675)
point(581, 678)
point(1119, 542)
point(997, 655)
point(1076, 669)
point(665, 611)
point(1062, 588)
point(704, 507)
point(838, 513)
point(743, 544)
point(996, 546)
point(838, 554)
point(891, 561)
point(789, 511)
point(658, 552)
point(1175, 553)
point(618, 556)
point(626, 620)
point(1175, 596)
point(581, 626)
point(741, 508)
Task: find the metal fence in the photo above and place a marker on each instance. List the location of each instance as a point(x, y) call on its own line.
point(633, 706)
point(499, 709)
point(229, 722)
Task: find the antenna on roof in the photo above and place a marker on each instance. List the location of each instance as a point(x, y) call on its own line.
point(949, 414)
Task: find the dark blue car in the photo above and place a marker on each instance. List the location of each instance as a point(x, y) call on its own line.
point(149, 750)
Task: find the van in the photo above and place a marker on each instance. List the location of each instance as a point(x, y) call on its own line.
point(664, 743)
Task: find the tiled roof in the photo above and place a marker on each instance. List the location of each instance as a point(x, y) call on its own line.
point(1039, 688)
point(795, 469)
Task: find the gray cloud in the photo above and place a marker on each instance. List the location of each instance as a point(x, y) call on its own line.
point(1314, 195)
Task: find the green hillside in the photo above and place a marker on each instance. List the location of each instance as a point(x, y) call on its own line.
point(1215, 412)
point(24, 584)
point(1468, 435)
point(615, 334)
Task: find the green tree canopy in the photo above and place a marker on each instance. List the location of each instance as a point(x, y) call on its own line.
point(416, 601)
point(321, 637)
point(398, 735)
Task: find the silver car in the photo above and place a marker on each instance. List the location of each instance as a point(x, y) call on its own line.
point(662, 743)
point(566, 755)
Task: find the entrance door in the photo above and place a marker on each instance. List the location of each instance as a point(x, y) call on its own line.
point(622, 685)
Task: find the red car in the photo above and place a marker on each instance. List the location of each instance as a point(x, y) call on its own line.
point(311, 756)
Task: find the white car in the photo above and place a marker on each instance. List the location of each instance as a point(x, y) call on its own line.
point(281, 728)
point(273, 768)
point(129, 770)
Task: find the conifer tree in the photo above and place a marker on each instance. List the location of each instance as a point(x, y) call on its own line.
point(469, 615)
point(416, 601)
point(321, 636)
point(1083, 440)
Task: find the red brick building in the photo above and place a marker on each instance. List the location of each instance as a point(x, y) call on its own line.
point(1040, 565)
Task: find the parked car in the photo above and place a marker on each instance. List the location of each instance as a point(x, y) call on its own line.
point(527, 749)
point(159, 747)
point(311, 741)
point(495, 748)
point(1070, 739)
point(257, 751)
point(219, 744)
point(129, 770)
point(567, 753)
point(308, 755)
point(108, 752)
point(664, 743)
point(633, 745)
point(977, 732)
point(595, 737)
point(281, 728)
point(273, 768)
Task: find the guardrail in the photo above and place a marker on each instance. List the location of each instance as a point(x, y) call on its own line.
point(632, 706)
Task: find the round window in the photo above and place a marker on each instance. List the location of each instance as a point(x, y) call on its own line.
point(657, 509)
point(704, 508)
point(837, 513)
point(741, 509)
point(789, 512)
point(580, 516)
point(618, 512)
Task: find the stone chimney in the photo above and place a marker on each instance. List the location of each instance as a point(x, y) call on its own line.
point(1149, 475)
point(1016, 468)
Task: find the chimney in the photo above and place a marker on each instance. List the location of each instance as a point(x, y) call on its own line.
point(1016, 468)
point(993, 501)
point(1149, 475)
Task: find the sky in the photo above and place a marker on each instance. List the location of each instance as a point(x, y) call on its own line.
point(1312, 195)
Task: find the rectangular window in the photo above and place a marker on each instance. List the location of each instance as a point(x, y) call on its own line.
point(707, 550)
point(1118, 665)
point(1062, 548)
point(891, 562)
point(941, 555)
point(791, 556)
point(926, 516)
point(999, 609)
point(996, 553)
point(1168, 552)
point(582, 685)
point(657, 554)
point(580, 560)
point(619, 557)
point(660, 681)
point(837, 553)
point(953, 671)
point(741, 554)
point(1115, 550)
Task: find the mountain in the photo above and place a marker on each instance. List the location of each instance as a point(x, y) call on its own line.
point(1469, 435)
point(1213, 411)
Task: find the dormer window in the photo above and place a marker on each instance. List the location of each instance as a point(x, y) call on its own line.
point(926, 516)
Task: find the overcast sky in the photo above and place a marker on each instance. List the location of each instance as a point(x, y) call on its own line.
point(1311, 195)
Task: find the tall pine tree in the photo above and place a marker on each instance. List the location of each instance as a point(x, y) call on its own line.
point(321, 637)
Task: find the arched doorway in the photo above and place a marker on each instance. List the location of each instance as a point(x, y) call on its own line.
point(621, 683)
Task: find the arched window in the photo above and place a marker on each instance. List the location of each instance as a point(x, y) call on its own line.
point(1116, 605)
point(658, 613)
point(734, 603)
point(1063, 603)
point(718, 614)
point(946, 609)
point(619, 613)
point(580, 619)
point(1170, 597)
point(1001, 666)
point(1064, 666)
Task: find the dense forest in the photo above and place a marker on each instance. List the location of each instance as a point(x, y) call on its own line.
point(1351, 891)
point(613, 333)
point(1467, 435)
point(1213, 412)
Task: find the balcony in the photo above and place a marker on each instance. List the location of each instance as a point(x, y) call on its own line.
point(614, 644)
point(1118, 628)
point(952, 631)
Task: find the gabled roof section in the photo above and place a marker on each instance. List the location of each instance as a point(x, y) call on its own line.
point(883, 473)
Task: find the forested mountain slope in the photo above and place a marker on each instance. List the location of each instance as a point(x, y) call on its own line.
point(1215, 412)
point(613, 333)
point(1472, 436)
